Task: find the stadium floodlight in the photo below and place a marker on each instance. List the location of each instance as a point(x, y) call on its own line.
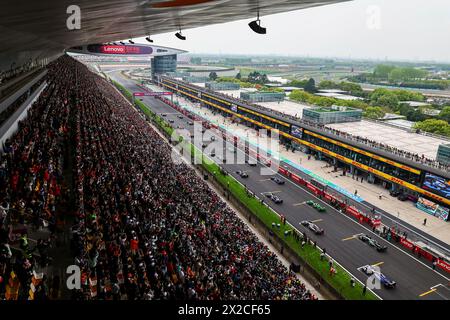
point(131, 41)
point(180, 36)
point(256, 26)
point(148, 39)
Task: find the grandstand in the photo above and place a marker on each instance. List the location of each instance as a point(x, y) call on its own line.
point(142, 226)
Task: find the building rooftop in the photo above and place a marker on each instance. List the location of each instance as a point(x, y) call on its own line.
point(331, 91)
point(394, 137)
point(334, 109)
point(338, 96)
point(416, 103)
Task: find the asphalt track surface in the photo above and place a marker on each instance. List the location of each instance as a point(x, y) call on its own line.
point(415, 279)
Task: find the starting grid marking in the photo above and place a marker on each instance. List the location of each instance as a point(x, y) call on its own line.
point(373, 265)
point(444, 293)
point(352, 237)
point(273, 192)
point(299, 204)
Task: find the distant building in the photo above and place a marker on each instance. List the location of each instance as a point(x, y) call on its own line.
point(164, 64)
point(333, 114)
point(443, 153)
point(193, 79)
point(392, 116)
point(222, 86)
point(262, 96)
point(337, 95)
point(431, 112)
point(415, 104)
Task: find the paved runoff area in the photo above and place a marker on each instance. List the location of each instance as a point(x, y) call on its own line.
point(405, 211)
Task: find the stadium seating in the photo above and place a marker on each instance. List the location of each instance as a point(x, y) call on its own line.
point(144, 226)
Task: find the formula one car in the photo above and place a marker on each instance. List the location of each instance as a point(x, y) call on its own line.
point(315, 205)
point(171, 121)
point(274, 198)
point(369, 270)
point(277, 180)
point(311, 226)
point(190, 123)
point(372, 242)
point(242, 174)
point(180, 117)
point(164, 115)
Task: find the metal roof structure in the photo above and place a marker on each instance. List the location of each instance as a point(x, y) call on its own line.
point(36, 30)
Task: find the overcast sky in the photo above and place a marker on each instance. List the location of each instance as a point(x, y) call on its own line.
point(377, 29)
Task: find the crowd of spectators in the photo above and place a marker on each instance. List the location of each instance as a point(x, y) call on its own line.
point(145, 227)
point(374, 144)
point(31, 179)
point(148, 228)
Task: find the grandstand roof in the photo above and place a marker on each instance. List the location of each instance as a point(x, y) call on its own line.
point(38, 29)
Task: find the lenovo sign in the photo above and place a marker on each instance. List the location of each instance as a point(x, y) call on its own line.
point(112, 49)
point(120, 49)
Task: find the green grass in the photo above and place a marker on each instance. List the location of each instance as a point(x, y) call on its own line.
point(311, 255)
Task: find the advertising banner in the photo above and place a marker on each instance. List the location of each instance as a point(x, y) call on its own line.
point(119, 49)
point(443, 265)
point(353, 211)
point(407, 244)
point(437, 184)
point(297, 132)
point(433, 208)
point(297, 179)
point(312, 188)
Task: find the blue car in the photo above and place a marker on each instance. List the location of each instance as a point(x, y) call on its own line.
point(369, 270)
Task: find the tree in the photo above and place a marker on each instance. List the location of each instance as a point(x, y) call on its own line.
point(299, 95)
point(374, 112)
point(382, 71)
point(445, 114)
point(258, 78)
point(405, 74)
point(239, 76)
point(297, 83)
point(327, 84)
point(415, 115)
point(310, 86)
point(434, 126)
point(213, 76)
point(384, 98)
point(352, 88)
